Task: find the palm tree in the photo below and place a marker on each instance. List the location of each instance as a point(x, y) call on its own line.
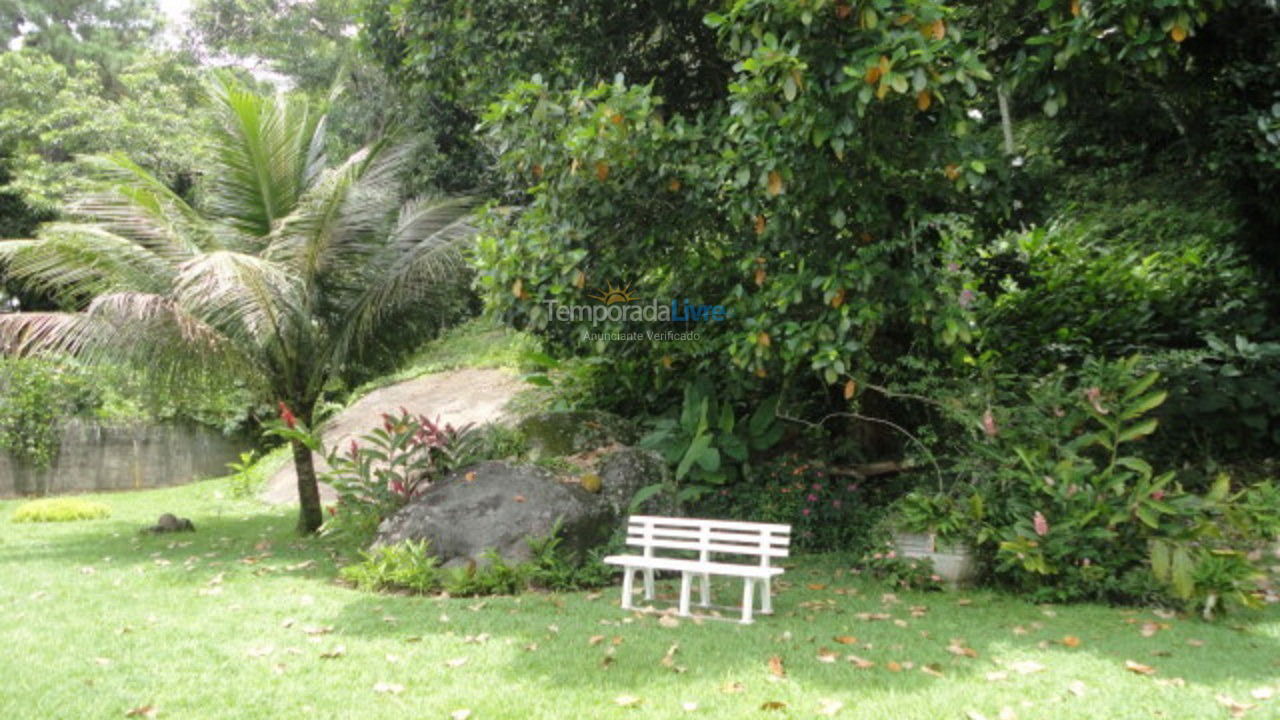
point(290, 277)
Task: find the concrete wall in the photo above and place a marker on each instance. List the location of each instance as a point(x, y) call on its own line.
point(101, 457)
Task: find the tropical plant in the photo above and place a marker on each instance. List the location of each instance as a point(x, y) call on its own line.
point(392, 464)
point(293, 275)
point(707, 445)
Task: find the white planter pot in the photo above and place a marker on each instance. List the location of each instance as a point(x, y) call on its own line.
point(954, 563)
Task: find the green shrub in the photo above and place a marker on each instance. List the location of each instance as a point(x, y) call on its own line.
point(60, 510)
point(36, 395)
point(826, 512)
point(1073, 511)
point(409, 567)
point(884, 564)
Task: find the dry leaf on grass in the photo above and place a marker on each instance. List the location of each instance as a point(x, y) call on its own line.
point(732, 687)
point(627, 701)
point(957, 647)
point(461, 714)
point(595, 640)
point(860, 663)
point(773, 705)
point(829, 707)
point(775, 667)
point(668, 621)
point(1138, 668)
point(827, 656)
point(1027, 667)
point(1071, 641)
point(1262, 693)
point(456, 662)
point(845, 639)
point(335, 653)
point(1077, 688)
point(1233, 706)
point(386, 687)
point(143, 711)
point(689, 706)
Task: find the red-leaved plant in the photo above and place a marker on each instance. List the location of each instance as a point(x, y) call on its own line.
point(386, 468)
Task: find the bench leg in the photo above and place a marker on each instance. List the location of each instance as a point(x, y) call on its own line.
point(748, 599)
point(706, 589)
point(685, 581)
point(648, 584)
point(766, 597)
point(628, 576)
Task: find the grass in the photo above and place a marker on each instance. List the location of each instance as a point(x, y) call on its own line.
point(236, 621)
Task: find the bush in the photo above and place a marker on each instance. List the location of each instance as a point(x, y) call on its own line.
point(1073, 511)
point(409, 567)
point(826, 512)
point(386, 468)
point(60, 510)
point(36, 395)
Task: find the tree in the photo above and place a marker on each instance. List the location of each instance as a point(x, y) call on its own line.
point(294, 275)
point(105, 33)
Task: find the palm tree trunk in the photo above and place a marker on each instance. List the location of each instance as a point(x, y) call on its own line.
point(310, 514)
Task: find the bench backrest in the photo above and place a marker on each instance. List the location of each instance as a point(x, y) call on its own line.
point(762, 540)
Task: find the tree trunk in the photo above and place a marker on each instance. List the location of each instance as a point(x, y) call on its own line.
point(310, 514)
point(1006, 118)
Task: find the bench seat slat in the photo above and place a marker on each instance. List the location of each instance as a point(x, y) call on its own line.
point(712, 533)
point(659, 563)
point(753, 549)
point(654, 520)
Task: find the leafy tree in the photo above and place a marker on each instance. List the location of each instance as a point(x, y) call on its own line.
point(292, 275)
point(104, 33)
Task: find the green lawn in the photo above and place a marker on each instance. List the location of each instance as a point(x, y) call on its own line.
point(239, 620)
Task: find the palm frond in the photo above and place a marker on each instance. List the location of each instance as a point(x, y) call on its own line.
point(74, 262)
point(137, 205)
point(268, 149)
point(252, 301)
point(423, 251)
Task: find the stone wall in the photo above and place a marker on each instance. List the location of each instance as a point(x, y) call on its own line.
point(96, 457)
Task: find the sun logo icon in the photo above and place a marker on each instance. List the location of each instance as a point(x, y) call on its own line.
point(613, 294)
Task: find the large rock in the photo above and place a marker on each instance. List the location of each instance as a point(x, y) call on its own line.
point(500, 509)
point(559, 433)
point(502, 505)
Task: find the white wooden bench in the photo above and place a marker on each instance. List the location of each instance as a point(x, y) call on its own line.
point(761, 541)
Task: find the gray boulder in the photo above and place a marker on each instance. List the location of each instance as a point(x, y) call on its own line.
point(499, 506)
point(555, 434)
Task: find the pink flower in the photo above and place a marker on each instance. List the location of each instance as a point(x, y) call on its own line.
point(1157, 495)
point(891, 554)
point(966, 298)
point(805, 512)
point(812, 497)
point(1041, 525)
point(835, 503)
point(355, 449)
point(989, 424)
point(851, 487)
point(817, 486)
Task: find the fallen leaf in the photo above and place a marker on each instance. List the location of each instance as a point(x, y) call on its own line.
point(1007, 713)
point(668, 621)
point(893, 666)
point(261, 651)
point(775, 667)
point(1077, 688)
point(773, 705)
point(1138, 668)
point(975, 715)
point(689, 706)
point(627, 701)
point(1235, 707)
point(335, 653)
point(1071, 641)
point(1195, 643)
point(957, 647)
point(386, 687)
point(456, 662)
point(1262, 693)
point(829, 707)
point(816, 586)
point(827, 656)
point(595, 640)
point(933, 669)
point(732, 687)
point(860, 663)
point(1027, 667)
point(1149, 629)
point(997, 675)
point(462, 714)
point(845, 639)
point(315, 630)
point(144, 711)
